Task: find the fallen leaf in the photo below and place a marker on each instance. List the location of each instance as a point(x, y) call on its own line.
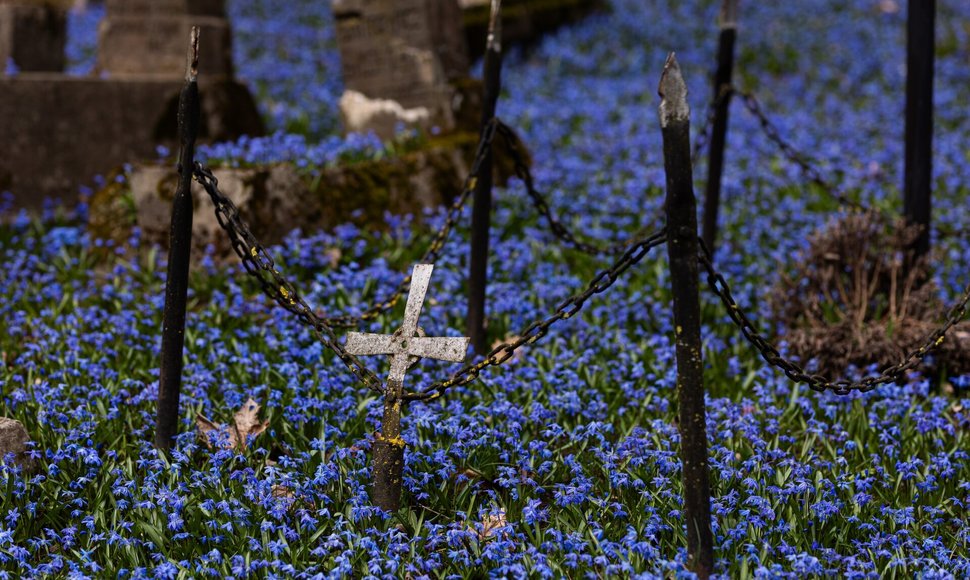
point(209, 430)
point(493, 524)
point(282, 492)
point(333, 256)
point(247, 424)
point(247, 421)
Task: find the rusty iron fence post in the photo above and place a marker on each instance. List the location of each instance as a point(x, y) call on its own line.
point(920, 44)
point(722, 102)
point(682, 248)
point(482, 209)
point(180, 246)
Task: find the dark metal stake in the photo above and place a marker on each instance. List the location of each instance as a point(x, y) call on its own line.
point(682, 249)
point(180, 244)
point(482, 209)
point(722, 102)
point(918, 178)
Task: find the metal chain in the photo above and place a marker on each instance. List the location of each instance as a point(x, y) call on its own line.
point(430, 255)
point(438, 243)
point(260, 265)
point(813, 174)
point(523, 172)
point(538, 329)
point(817, 382)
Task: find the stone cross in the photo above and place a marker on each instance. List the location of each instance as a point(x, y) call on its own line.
point(405, 346)
point(147, 37)
point(408, 344)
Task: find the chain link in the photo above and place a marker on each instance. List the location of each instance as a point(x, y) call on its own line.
point(538, 329)
point(261, 266)
point(817, 382)
point(771, 131)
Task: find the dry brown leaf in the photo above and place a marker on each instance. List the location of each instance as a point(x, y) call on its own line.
point(333, 256)
point(208, 431)
point(247, 424)
point(492, 525)
point(282, 492)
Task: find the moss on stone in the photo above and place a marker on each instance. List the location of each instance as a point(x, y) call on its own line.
point(275, 199)
point(112, 211)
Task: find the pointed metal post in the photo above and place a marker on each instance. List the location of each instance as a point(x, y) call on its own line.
point(180, 245)
point(482, 209)
point(920, 44)
point(722, 102)
point(682, 248)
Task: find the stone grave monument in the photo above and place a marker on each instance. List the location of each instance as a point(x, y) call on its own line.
point(32, 35)
point(399, 60)
point(60, 131)
point(139, 37)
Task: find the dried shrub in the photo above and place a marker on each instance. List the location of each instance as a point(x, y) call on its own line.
point(858, 297)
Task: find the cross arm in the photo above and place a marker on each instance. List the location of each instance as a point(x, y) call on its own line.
point(447, 349)
point(362, 343)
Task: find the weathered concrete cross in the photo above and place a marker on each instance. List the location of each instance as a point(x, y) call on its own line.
point(405, 346)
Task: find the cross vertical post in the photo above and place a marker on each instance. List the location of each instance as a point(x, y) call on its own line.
point(722, 103)
point(682, 248)
point(404, 346)
point(482, 208)
point(179, 253)
point(918, 174)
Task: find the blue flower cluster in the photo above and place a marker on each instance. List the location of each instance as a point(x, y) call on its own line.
point(565, 462)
